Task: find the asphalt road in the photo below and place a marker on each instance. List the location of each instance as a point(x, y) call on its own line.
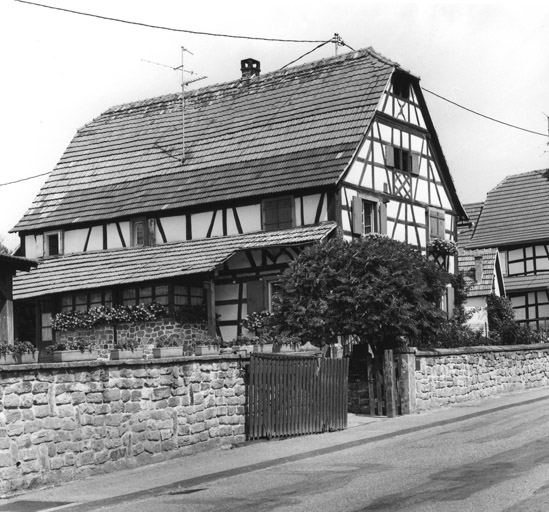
point(495, 462)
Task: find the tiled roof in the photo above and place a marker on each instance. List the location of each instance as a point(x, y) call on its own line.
point(466, 262)
point(530, 283)
point(287, 130)
point(110, 268)
point(465, 229)
point(515, 212)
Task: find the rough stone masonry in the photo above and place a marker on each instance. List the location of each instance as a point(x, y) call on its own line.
point(60, 422)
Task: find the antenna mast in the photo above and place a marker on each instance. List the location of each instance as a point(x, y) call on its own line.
point(183, 50)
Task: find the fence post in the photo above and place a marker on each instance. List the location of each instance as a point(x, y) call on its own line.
point(407, 379)
point(390, 384)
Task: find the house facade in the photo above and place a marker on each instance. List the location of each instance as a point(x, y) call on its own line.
point(132, 214)
point(515, 220)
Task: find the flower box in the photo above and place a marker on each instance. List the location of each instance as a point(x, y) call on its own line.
point(20, 359)
point(118, 354)
point(67, 356)
point(266, 348)
point(168, 352)
point(206, 350)
point(285, 347)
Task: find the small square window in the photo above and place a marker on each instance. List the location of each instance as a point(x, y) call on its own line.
point(53, 245)
point(401, 86)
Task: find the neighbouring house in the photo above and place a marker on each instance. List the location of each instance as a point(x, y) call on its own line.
point(9, 265)
point(515, 220)
point(271, 163)
point(481, 269)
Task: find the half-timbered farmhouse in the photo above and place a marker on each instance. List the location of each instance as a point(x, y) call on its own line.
point(270, 163)
point(515, 219)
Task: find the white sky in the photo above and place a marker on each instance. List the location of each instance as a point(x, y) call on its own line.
point(61, 70)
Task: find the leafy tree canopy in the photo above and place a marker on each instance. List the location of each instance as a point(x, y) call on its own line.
point(374, 287)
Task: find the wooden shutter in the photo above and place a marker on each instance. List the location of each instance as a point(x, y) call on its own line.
point(414, 164)
point(389, 155)
point(383, 218)
point(436, 224)
point(285, 213)
point(256, 296)
point(356, 206)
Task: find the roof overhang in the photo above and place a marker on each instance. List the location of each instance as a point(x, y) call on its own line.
point(93, 270)
point(527, 283)
point(14, 263)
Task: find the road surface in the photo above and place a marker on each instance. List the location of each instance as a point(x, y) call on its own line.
point(493, 462)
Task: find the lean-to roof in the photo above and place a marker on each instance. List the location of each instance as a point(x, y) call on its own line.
point(89, 270)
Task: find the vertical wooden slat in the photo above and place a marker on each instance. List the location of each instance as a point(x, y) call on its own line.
point(390, 384)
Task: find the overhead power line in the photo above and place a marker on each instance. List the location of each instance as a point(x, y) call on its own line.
point(171, 29)
point(24, 179)
point(485, 116)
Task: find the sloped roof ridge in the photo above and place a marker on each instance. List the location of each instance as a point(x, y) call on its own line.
point(233, 84)
point(518, 175)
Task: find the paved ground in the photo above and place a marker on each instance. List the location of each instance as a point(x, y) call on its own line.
point(273, 475)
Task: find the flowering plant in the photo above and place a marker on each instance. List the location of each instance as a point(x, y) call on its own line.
point(442, 246)
point(258, 322)
point(127, 344)
point(77, 344)
point(104, 315)
point(22, 347)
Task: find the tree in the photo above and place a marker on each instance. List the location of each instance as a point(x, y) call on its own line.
point(3, 248)
point(374, 287)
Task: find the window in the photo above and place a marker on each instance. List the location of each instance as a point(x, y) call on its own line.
point(437, 226)
point(143, 231)
point(368, 216)
point(83, 301)
point(278, 213)
point(53, 244)
point(401, 86)
point(401, 159)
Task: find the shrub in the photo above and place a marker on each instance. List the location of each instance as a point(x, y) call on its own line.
point(376, 288)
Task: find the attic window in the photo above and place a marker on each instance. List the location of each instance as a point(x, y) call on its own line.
point(402, 159)
point(53, 243)
point(401, 86)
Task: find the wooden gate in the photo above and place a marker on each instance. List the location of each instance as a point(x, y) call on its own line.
point(384, 396)
point(291, 394)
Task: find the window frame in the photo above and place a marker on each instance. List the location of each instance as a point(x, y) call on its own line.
point(47, 236)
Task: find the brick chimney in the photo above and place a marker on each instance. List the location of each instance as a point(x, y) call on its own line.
point(249, 68)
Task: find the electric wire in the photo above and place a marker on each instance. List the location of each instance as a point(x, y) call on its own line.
point(483, 115)
point(24, 179)
point(160, 27)
point(305, 54)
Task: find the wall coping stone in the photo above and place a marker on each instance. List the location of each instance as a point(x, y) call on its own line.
point(478, 350)
point(121, 362)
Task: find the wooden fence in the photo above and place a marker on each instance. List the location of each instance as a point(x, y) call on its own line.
point(291, 395)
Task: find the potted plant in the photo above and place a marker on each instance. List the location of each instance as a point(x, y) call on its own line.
point(284, 343)
point(242, 344)
point(24, 352)
point(74, 350)
point(207, 347)
point(127, 349)
point(264, 344)
point(167, 346)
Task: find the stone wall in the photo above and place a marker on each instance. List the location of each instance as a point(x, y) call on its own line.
point(104, 337)
point(447, 376)
point(64, 421)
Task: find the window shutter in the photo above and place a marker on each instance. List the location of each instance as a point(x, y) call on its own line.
point(414, 164)
point(151, 238)
point(441, 225)
point(285, 217)
point(256, 297)
point(383, 218)
point(357, 227)
point(389, 155)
